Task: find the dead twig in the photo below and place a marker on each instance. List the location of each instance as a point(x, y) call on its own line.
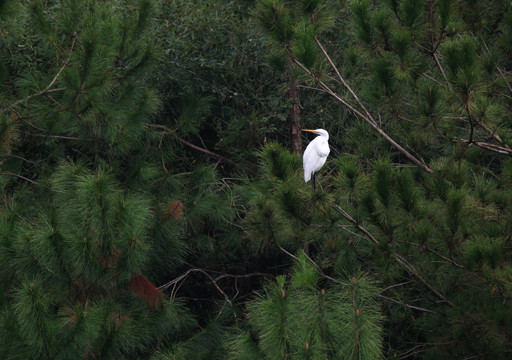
point(357, 225)
point(488, 146)
point(22, 177)
point(407, 305)
point(411, 270)
point(167, 130)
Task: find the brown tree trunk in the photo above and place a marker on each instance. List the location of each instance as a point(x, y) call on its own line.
point(295, 119)
point(295, 126)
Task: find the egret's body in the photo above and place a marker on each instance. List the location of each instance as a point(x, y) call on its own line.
point(315, 155)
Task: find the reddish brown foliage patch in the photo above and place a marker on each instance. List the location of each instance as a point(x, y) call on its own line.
point(145, 290)
point(173, 210)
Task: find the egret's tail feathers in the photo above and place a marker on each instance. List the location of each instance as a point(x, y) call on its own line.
point(307, 176)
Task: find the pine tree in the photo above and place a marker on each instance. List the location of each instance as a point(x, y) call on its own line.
point(75, 275)
point(300, 320)
point(77, 245)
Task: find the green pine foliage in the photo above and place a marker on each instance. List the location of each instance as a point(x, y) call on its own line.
point(72, 274)
point(153, 207)
point(78, 247)
point(343, 321)
point(283, 210)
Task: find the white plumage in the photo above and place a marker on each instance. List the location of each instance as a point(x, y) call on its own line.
point(315, 155)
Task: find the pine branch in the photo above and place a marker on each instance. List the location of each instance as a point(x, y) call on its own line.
point(343, 80)
point(488, 146)
point(408, 267)
point(407, 305)
point(22, 177)
point(411, 270)
point(167, 130)
point(357, 225)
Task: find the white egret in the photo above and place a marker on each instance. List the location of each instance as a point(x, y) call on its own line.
point(315, 155)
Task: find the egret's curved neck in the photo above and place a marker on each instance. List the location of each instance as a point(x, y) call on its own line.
point(324, 134)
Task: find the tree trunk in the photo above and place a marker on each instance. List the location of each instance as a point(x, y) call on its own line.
point(294, 116)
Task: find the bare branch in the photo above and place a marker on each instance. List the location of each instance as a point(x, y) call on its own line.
point(356, 223)
point(441, 69)
point(502, 73)
point(235, 276)
point(407, 305)
point(21, 177)
point(496, 148)
point(491, 132)
point(488, 146)
point(445, 258)
point(21, 101)
point(167, 130)
point(428, 248)
point(64, 65)
point(411, 270)
point(62, 137)
point(370, 118)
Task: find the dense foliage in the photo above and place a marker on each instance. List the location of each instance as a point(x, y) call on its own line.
point(153, 201)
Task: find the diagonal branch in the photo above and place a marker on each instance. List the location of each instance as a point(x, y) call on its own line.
point(65, 63)
point(498, 68)
point(357, 225)
point(399, 259)
point(441, 69)
point(491, 132)
point(488, 146)
point(407, 305)
point(411, 270)
point(21, 177)
point(370, 117)
point(167, 130)
point(21, 101)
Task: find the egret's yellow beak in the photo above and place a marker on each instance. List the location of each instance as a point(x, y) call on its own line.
point(313, 131)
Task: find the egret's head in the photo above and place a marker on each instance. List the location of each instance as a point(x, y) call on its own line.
point(320, 132)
